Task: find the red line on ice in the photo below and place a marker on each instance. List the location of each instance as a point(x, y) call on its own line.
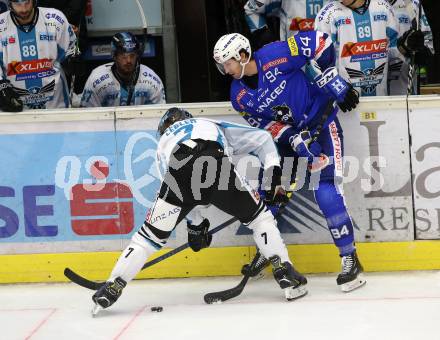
point(129, 322)
point(42, 322)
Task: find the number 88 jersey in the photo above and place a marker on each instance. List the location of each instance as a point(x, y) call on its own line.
point(30, 59)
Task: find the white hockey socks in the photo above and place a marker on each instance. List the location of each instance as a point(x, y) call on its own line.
point(132, 259)
point(268, 237)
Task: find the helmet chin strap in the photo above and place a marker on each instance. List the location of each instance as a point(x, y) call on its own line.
point(243, 65)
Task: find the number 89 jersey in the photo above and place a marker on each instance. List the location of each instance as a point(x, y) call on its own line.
point(31, 60)
point(364, 43)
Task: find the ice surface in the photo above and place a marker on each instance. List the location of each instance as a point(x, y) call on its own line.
point(404, 305)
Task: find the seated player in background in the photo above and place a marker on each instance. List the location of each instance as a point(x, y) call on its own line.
point(34, 43)
point(125, 81)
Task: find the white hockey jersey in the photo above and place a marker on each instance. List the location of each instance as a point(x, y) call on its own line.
point(31, 60)
point(103, 89)
point(405, 11)
point(364, 43)
point(236, 139)
point(295, 15)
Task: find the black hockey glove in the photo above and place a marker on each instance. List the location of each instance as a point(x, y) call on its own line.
point(109, 293)
point(411, 41)
point(198, 237)
point(9, 100)
point(276, 194)
point(351, 99)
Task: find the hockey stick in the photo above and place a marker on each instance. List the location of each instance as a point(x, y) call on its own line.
point(411, 69)
point(93, 285)
point(231, 293)
point(257, 261)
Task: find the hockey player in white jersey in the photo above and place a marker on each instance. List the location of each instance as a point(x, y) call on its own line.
point(34, 42)
point(125, 81)
point(365, 35)
point(418, 35)
point(295, 16)
point(194, 155)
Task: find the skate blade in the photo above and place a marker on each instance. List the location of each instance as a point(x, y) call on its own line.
point(259, 276)
point(352, 285)
point(295, 293)
point(95, 310)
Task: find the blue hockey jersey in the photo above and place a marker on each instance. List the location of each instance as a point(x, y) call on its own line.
point(282, 85)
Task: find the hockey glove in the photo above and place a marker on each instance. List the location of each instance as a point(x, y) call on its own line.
point(198, 237)
point(276, 194)
point(411, 41)
point(344, 93)
point(303, 145)
point(9, 100)
point(109, 293)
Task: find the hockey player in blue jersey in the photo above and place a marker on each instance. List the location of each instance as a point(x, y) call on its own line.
point(272, 92)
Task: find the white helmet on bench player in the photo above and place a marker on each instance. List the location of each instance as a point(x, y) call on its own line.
point(230, 46)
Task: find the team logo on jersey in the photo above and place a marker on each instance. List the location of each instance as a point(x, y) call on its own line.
point(365, 50)
point(36, 97)
point(367, 79)
point(292, 46)
point(282, 113)
point(343, 21)
point(239, 97)
point(302, 24)
point(11, 40)
point(380, 17)
point(31, 69)
point(273, 63)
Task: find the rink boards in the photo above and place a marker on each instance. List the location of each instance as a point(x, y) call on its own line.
point(77, 184)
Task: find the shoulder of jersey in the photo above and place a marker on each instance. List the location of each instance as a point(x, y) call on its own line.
point(101, 74)
point(332, 8)
point(275, 54)
point(148, 72)
point(381, 3)
point(53, 15)
point(4, 19)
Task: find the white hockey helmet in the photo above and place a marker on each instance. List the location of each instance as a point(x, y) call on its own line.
point(229, 46)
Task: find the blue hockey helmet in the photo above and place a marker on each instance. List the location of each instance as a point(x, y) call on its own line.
point(125, 42)
point(170, 117)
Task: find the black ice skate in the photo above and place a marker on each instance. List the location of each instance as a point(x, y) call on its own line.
point(256, 271)
point(107, 294)
point(292, 282)
point(351, 276)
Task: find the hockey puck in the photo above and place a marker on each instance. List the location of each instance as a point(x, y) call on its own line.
point(157, 309)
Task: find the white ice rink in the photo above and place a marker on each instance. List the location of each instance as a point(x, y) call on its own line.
point(404, 305)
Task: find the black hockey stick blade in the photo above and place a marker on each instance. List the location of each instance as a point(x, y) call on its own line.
point(232, 292)
point(227, 294)
point(83, 282)
point(93, 285)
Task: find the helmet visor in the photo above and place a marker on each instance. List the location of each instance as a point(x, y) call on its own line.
point(220, 67)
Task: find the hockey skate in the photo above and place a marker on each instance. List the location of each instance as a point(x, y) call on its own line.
point(256, 271)
point(351, 276)
point(292, 282)
point(107, 295)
